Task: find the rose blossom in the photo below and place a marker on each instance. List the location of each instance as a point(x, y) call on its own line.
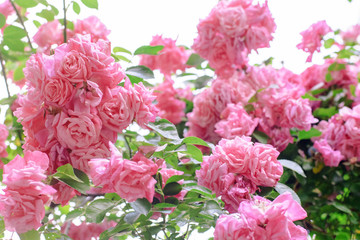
point(48, 34)
point(57, 91)
point(77, 129)
point(93, 26)
point(131, 179)
point(4, 133)
point(299, 114)
point(331, 158)
point(311, 38)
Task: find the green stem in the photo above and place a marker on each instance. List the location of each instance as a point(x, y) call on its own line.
point(65, 24)
point(128, 146)
point(22, 23)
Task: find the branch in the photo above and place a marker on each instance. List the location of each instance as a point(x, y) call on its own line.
point(22, 23)
point(4, 73)
point(65, 33)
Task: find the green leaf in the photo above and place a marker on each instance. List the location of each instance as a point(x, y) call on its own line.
point(172, 200)
point(195, 141)
point(8, 101)
point(164, 205)
point(131, 217)
point(76, 7)
point(37, 23)
point(2, 20)
point(328, 77)
point(260, 136)
point(342, 208)
point(74, 214)
point(30, 235)
point(14, 44)
point(172, 188)
point(336, 66)
point(325, 113)
point(344, 53)
point(194, 152)
point(149, 50)
point(293, 166)
point(309, 134)
point(18, 73)
point(328, 43)
point(141, 205)
point(194, 187)
point(91, 3)
point(96, 210)
point(120, 57)
point(165, 129)
point(212, 207)
point(118, 229)
point(140, 71)
point(249, 108)
point(137, 80)
point(176, 178)
point(121, 49)
point(47, 14)
point(194, 60)
point(352, 90)
point(13, 32)
point(75, 179)
point(27, 3)
point(310, 97)
point(282, 188)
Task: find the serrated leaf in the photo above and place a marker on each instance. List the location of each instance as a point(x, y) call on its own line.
point(141, 205)
point(149, 50)
point(75, 179)
point(76, 7)
point(194, 60)
point(172, 188)
point(309, 134)
point(2, 20)
point(140, 71)
point(165, 129)
point(91, 3)
point(26, 3)
point(14, 32)
point(293, 166)
point(342, 208)
point(260, 136)
point(121, 49)
point(30, 235)
point(328, 43)
point(96, 210)
point(282, 188)
point(74, 214)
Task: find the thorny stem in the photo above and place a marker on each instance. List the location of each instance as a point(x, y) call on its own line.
point(22, 23)
point(65, 34)
point(4, 74)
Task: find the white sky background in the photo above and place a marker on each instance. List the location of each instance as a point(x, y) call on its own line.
point(134, 22)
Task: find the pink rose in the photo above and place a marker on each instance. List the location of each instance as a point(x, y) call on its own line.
point(331, 157)
point(48, 34)
point(352, 34)
point(57, 91)
point(73, 66)
point(77, 129)
point(93, 26)
point(64, 193)
point(299, 114)
point(86, 231)
point(4, 133)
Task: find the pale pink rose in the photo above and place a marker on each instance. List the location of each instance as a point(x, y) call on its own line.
point(47, 35)
point(3, 152)
point(141, 100)
point(21, 212)
point(168, 102)
point(4, 133)
point(35, 71)
point(6, 8)
point(86, 231)
point(206, 133)
point(235, 154)
point(232, 20)
point(352, 34)
point(235, 122)
point(311, 38)
point(77, 129)
point(280, 138)
point(73, 66)
point(331, 158)
point(257, 37)
point(93, 26)
point(116, 110)
point(203, 113)
point(264, 169)
point(79, 158)
point(299, 114)
point(131, 179)
point(58, 156)
point(20, 83)
point(236, 226)
point(64, 193)
point(57, 91)
point(169, 59)
point(90, 95)
point(314, 76)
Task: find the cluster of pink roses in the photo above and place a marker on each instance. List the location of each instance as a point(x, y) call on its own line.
point(277, 107)
point(261, 219)
point(169, 59)
point(340, 137)
point(25, 195)
point(74, 105)
point(51, 33)
point(236, 167)
point(231, 31)
point(86, 231)
point(4, 133)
